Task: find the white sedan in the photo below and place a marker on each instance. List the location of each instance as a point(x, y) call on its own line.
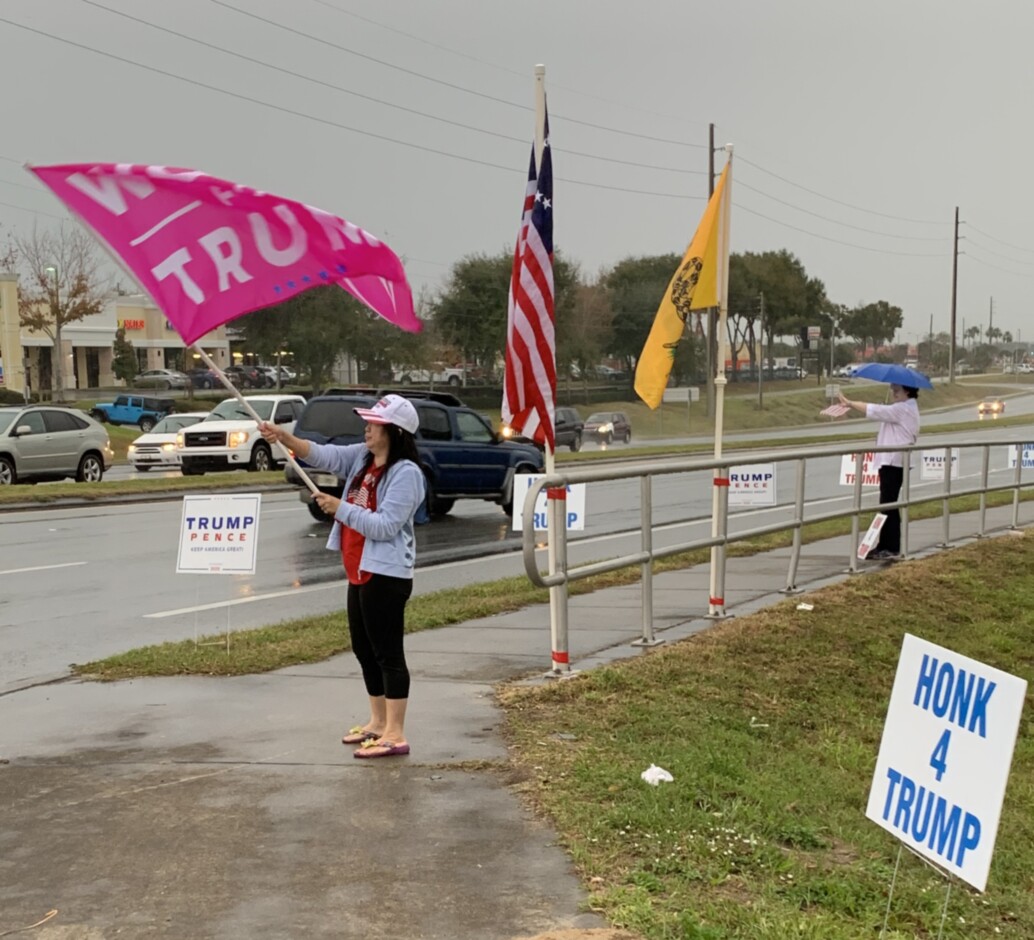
point(157, 448)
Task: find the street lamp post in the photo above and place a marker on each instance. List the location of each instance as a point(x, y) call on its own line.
point(57, 377)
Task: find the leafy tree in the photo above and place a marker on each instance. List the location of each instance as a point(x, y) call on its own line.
point(634, 289)
point(470, 311)
point(123, 362)
point(873, 323)
point(583, 335)
point(792, 298)
point(61, 284)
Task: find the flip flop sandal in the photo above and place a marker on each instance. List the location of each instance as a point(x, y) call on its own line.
point(358, 735)
point(370, 749)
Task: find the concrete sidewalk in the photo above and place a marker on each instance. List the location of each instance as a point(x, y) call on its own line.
point(226, 808)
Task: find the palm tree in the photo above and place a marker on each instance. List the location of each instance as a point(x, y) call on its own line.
point(971, 334)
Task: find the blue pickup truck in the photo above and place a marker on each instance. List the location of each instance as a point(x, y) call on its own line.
point(462, 457)
point(141, 410)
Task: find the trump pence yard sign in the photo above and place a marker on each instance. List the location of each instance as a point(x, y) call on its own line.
point(219, 534)
point(945, 757)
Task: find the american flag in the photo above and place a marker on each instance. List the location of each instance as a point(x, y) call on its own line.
point(529, 393)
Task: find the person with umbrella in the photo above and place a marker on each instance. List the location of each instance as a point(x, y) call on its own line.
point(899, 424)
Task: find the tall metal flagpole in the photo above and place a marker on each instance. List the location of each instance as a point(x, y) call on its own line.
point(719, 503)
point(556, 507)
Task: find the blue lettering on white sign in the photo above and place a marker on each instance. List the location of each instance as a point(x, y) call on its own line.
point(927, 817)
point(947, 691)
point(217, 523)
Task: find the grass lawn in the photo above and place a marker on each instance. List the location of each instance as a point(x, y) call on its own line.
point(770, 725)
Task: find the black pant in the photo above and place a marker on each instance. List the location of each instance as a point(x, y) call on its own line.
point(890, 489)
point(376, 623)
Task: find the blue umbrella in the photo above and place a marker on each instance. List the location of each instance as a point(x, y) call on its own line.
point(892, 374)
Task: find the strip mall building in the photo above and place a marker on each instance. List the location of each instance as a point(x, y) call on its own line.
point(87, 344)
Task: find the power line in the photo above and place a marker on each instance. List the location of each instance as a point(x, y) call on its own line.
point(998, 254)
point(11, 205)
point(839, 202)
point(825, 218)
point(996, 267)
point(371, 98)
point(837, 241)
point(999, 240)
point(326, 121)
point(496, 65)
point(442, 82)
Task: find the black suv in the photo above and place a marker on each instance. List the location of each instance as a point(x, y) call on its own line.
point(462, 457)
point(567, 430)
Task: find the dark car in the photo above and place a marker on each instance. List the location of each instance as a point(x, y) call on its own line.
point(206, 378)
point(567, 429)
point(248, 377)
point(462, 457)
point(608, 426)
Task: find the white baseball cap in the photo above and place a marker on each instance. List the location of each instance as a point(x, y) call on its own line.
point(392, 409)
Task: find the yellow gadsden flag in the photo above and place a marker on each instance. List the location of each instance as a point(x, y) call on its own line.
point(695, 286)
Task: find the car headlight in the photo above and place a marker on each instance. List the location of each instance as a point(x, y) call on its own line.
point(168, 447)
point(607, 428)
point(237, 439)
point(131, 449)
point(179, 439)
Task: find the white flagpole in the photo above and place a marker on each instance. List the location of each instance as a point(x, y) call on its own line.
point(557, 510)
point(716, 598)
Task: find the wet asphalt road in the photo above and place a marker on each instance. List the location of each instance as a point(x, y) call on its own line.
point(78, 583)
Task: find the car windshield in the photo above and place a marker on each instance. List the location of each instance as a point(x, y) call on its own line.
point(233, 410)
point(6, 417)
point(174, 423)
point(599, 418)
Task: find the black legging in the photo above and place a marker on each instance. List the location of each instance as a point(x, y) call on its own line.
point(376, 623)
point(890, 489)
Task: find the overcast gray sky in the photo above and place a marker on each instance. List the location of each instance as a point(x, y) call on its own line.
point(858, 127)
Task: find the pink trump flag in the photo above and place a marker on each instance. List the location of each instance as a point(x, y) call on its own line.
point(208, 250)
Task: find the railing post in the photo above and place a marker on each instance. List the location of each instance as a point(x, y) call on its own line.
point(1016, 489)
point(646, 568)
point(795, 551)
point(719, 530)
point(906, 486)
point(945, 508)
point(852, 557)
point(984, 470)
point(556, 499)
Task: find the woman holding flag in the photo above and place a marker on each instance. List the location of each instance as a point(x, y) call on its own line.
point(373, 529)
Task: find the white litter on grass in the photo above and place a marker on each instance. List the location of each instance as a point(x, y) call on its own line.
point(655, 775)
point(803, 606)
point(754, 723)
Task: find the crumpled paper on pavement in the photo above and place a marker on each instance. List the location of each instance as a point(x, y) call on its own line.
point(655, 775)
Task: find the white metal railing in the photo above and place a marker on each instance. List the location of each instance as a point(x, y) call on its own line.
point(646, 471)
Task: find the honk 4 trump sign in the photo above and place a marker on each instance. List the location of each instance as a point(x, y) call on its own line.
point(219, 534)
point(945, 757)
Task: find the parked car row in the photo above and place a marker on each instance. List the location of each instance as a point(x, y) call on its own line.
point(204, 378)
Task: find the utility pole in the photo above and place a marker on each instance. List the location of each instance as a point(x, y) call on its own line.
point(758, 355)
point(954, 293)
point(712, 314)
point(929, 351)
point(990, 319)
